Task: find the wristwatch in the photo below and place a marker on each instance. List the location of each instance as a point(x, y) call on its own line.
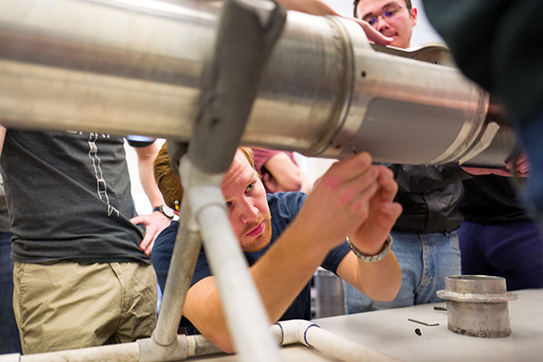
point(168, 212)
point(372, 258)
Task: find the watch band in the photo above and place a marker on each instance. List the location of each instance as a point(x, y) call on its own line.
point(372, 258)
point(163, 211)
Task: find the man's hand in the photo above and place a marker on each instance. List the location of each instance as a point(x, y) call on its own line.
point(318, 7)
point(373, 34)
point(339, 203)
point(284, 175)
point(519, 167)
point(154, 224)
point(383, 213)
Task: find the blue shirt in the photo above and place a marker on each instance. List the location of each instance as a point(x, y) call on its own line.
point(283, 209)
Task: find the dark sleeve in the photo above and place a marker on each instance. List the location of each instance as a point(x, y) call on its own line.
point(201, 270)
point(335, 256)
point(162, 255)
point(140, 141)
point(162, 252)
point(417, 179)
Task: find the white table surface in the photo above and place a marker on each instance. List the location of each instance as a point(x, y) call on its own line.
point(390, 332)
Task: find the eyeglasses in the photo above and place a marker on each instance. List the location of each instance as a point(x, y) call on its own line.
point(388, 13)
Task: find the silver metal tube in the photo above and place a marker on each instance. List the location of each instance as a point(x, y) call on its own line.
point(184, 256)
point(119, 66)
point(246, 317)
point(126, 352)
point(199, 345)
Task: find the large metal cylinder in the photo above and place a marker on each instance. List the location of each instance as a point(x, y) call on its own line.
point(134, 67)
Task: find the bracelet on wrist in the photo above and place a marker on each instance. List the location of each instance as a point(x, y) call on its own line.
point(387, 246)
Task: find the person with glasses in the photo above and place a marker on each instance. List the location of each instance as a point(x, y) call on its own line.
point(393, 19)
point(425, 237)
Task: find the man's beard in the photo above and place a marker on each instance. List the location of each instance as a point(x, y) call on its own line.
point(260, 242)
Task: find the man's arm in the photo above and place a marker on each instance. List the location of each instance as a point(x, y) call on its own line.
point(285, 175)
point(318, 7)
point(519, 167)
point(337, 206)
point(157, 221)
point(380, 280)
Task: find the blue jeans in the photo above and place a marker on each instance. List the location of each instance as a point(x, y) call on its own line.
point(513, 251)
point(425, 261)
point(9, 334)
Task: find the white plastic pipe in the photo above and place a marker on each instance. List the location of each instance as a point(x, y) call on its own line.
point(311, 335)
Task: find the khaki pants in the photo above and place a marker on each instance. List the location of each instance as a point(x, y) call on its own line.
point(68, 305)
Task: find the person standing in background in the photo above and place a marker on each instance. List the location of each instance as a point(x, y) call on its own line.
point(82, 274)
point(497, 237)
point(425, 238)
point(427, 245)
point(9, 334)
point(279, 171)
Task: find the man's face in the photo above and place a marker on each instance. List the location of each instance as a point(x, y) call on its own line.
point(247, 205)
point(399, 26)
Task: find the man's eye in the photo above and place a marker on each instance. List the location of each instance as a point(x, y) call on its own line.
point(389, 13)
point(371, 21)
point(250, 187)
point(228, 204)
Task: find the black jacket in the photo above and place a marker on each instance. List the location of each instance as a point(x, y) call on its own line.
point(491, 199)
point(429, 196)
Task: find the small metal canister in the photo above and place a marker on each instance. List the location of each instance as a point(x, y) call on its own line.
point(477, 305)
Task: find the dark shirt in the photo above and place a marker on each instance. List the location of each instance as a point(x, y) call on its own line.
point(69, 198)
point(491, 199)
point(284, 207)
point(429, 196)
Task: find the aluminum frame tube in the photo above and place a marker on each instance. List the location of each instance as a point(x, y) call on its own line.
point(124, 352)
point(185, 254)
point(284, 332)
point(245, 315)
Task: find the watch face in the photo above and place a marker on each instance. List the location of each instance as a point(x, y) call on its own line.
point(167, 211)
